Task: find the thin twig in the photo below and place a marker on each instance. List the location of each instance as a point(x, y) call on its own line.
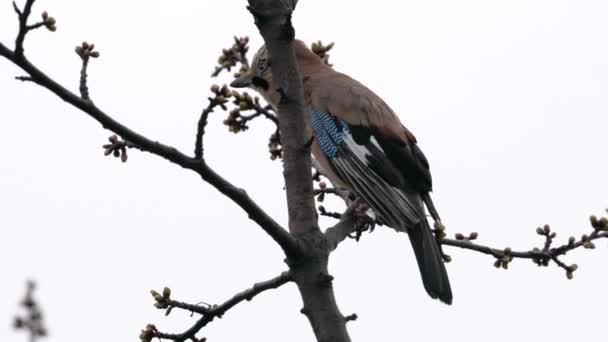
point(17, 10)
point(23, 28)
point(332, 214)
point(85, 51)
point(540, 256)
point(84, 89)
point(200, 132)
point(209, 314)
point(531, 254)
point(24, 78)
point(221, 97)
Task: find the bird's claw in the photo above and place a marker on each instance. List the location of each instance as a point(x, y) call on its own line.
point(363, 222)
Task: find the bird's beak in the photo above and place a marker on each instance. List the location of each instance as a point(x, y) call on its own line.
point(243, 81)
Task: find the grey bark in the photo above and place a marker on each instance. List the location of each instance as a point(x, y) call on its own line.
point(309, 270)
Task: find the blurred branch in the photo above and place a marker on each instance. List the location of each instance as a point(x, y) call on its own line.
point(208, 312)
point(32, 322)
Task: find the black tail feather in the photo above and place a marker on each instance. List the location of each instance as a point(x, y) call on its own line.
point(430, 262)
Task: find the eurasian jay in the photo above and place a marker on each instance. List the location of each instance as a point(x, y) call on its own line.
point(361, 145)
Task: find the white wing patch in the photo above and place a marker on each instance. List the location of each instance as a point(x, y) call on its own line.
point(375, 142)
point(359, 150)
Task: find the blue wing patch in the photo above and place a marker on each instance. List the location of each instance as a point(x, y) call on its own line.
point(329, 131)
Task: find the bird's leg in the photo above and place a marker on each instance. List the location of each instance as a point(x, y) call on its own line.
point(426, 198)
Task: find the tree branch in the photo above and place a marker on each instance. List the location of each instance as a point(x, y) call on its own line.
point(208, 313)
point(239, 196)
point(221, 97)
point(24, 28)
point(85, 52)
point(350, 224)
point(273, 19)
point(353, 221)
point(541, 257)
point(338, 233)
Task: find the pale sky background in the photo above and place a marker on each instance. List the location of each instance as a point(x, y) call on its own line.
point(508, 100)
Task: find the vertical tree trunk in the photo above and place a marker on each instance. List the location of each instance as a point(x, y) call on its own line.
point(273, 19)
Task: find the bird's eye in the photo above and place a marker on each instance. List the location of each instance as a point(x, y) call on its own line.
point(262, 65)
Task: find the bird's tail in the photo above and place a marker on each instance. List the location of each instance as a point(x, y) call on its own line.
point(430, 262)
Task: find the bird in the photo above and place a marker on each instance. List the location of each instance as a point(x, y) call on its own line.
point(361, 144)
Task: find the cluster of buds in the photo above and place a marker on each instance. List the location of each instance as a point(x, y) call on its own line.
point(321, 50)
point(274, 146)
point(49, 22)
point(235, 125)
point(549, 236)
point(439, 231)
point(570, 271)
point(599, 224)
point(587, 243)
point(162, 300)
point(546, 231)
point(116, 147)
point(86, 50)
point(235, 121)
point(504, 260)
point(245, 101)
point(148, 333)
point(471, 237)
point(235, 54)
point(222, 94)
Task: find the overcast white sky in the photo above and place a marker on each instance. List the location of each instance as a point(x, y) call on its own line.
point(507, 99)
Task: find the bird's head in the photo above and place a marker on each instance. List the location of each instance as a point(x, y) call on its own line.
point(258, 77)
